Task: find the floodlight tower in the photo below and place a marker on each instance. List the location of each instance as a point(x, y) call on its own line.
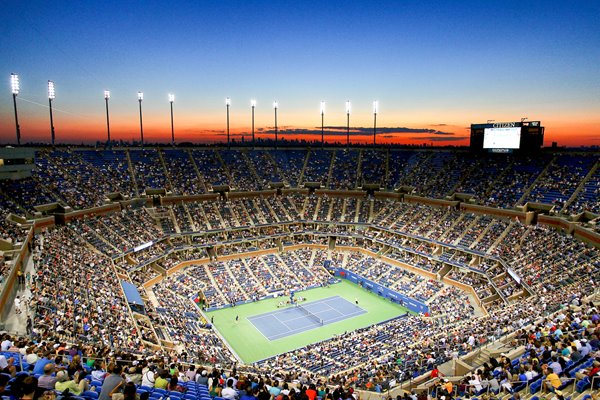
point(322, 123)
point(275, 106)
point(106, 97)
point(348, 106)
point(171, 100)
point(140, 98)
point(227, 104)
point(375, 110)
point(253, 105)
point(14, 84)
point(51, 96)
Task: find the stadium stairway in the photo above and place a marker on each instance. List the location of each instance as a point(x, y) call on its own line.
point(581, 186)
point(501, 237)
point(132, 174)
point(224, 166)
point(198, 174)
point(164, 166)
point(540, 177)
point(17, 323)
point(331, 166)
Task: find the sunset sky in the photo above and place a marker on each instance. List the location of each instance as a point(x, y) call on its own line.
point(434, 67)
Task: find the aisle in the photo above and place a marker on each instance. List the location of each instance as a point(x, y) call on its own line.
point(17, 323)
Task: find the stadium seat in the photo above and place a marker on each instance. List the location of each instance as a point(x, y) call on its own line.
point(583, 385)
point(90, 394)
point(535, 387)
point(96, 384)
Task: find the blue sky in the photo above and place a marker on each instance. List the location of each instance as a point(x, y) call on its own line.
point(426, 62)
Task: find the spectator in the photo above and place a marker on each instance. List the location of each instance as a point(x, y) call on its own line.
point(589, 372)
point(311, 392)
point(28, 388)
point(552, 381)
point(129, 393)
point(134, 375)
point(112, 383)
point(76, 386)
point(202, 377)
point(215, 389)
point(47, 381)
point(174, 385)
point(148, 376)
point(190, 374)
point(162, 380)
point(229, 392)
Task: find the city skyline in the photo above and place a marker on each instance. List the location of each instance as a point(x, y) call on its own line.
point(433, 68)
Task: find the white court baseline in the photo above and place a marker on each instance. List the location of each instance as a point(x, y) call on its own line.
point(291, 320)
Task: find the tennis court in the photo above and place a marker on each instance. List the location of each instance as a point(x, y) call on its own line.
point(252, 345)
point(295, 319)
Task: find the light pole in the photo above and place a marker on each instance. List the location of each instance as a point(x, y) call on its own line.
point(375, 110)
point(171, 100)
point(51, 96)
point(253, 105)
point(14, 84)
point(322, 123)
point(140, 98)
point(275, 106)
point(348, 122)
point(106, 97)
point(227, 103)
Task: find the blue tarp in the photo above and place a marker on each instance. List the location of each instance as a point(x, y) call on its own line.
point(131, 293)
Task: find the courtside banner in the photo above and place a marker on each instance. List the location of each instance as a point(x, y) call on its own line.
point(408, 302)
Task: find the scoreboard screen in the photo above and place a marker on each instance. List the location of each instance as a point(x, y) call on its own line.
point(507, 137)
point(502, 138)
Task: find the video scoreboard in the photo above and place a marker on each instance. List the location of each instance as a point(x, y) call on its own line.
point(507, 137)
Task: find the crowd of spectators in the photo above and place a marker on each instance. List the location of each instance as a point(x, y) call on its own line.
point(76, 296)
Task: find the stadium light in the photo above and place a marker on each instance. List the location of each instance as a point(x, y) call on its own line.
point(15, 86)
point(51, 96)
point(375, 110)
point(171, 100)
point(253, 105)
point(322, 123)
point(275, 106)
point(227, 104)
point(51, 90)
point(140, 98)
point(106, 97)
point(348, 107)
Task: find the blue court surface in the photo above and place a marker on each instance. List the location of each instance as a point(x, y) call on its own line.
point(292, 320)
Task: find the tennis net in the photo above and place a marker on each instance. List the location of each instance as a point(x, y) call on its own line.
point(309, 314)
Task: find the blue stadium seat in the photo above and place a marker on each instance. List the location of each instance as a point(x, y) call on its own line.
point(90, 394)
point(535, 387)
point(96, 383)
point(583, 385)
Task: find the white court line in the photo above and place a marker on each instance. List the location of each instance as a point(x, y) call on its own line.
point(304, 328)
point(332, 309)
point(256, 327)
point(340, 314)
point(298, 330)
point(282, 322)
